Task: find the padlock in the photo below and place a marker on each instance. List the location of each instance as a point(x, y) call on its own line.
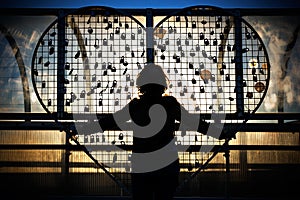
point(221, 72)
point(76, 78)
point(229, 47)
point(187, 42)
point(194, 81)
point(222, 36)
point(94, 77)
point(197, 163)
point(185, 89)
point(214, 95)
point(179, 48)
point(249, 95)
point(82, 94)
point(201, 65)
point(132, 36)
point(179, 84)
point(111, 36)
point(99, 54)
point(227, 77)
point(103, 65)
point(220, 89)
point(128, 95)
point(213, 78)
point(197, 47)
point(90, 30)
point(178, 41)
point(182, 53)
point(139, 30)
point(117, 30)
point(255, 78)
point(43, 84)
point(221, 107)
point(192, 53)
point(113, 69)
point(73, 97)
point(202, 90)
point(116, 20)
point(122, 59)
point(215, 42)
point(121, 136)
point(194, 24)
point(193, 96)
point(112, 90)
point(142, 42)
point(201, 36)
point(49, 102)
point(86, 139)
point(167, 42)
point(114, 83)
point(123, 36)
point(191, 65)
point(206, 41)
point(86, 108)
point(223, 65)
point(115, 158)
point(221, 48)
point(105, 42)
point(109, 65)
point(215, 59)
point(116, 102)
point(97, 138)
point(92, 139)
point(98, 84)
point(105, 19)
point(67, 66)
point(127, 77)
point(119, 90)
point(131, 82)
point(181, 93)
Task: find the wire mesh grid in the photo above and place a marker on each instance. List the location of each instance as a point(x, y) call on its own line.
point(105, 51)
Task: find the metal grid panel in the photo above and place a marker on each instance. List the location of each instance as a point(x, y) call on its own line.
point(105, 50)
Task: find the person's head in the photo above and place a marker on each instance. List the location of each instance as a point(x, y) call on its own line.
point(152, 80)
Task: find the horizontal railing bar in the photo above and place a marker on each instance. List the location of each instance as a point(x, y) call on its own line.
point(156, 11)
point(188, 148)
point(182, 165)
point(69, 116)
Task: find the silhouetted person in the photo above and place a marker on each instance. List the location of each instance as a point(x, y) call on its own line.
point(155, 163)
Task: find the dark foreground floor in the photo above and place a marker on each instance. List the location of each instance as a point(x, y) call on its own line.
point(176, 198)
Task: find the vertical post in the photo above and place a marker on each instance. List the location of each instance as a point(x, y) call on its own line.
point(61, 24)
point(280, 106)
point(227, 167)
point(65, 169)
point(239, 64)
point(149, 36)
